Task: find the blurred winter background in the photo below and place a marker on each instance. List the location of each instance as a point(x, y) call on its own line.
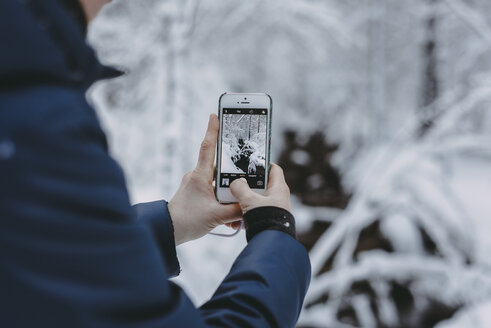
point(382, 122)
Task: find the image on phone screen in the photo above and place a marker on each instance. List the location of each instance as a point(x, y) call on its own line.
point(244, 144)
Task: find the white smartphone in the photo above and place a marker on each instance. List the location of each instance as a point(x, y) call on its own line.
point(244, 141)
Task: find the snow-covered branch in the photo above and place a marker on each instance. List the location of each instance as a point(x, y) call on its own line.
point(471, 18)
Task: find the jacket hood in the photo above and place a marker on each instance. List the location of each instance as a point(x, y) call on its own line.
point(40, 42)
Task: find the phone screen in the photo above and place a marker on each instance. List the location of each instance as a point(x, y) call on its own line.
point(244, 144)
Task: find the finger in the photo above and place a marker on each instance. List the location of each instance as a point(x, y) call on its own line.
point(276, 177)
point(241, 191)
point(229, 213)
point(208, 146)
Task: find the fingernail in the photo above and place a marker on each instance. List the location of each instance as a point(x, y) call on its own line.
point(243, 179)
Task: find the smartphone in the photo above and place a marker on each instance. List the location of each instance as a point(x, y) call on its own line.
point(244, 142)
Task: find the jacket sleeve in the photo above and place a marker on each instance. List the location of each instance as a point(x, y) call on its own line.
point(74, 254)
point(156, 217)
point(265, 287)
point(262, 296)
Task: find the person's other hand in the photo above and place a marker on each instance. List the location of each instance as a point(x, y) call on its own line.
point(277, 193)
point(194, 209)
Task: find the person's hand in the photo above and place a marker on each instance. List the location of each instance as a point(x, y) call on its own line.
point(194, 209)
point(277, 193)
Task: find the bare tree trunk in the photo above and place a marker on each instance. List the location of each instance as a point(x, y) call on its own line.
point(250, 126)
point(177, 108)
point(430, 84)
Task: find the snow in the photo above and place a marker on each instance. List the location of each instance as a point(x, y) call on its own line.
point(243, 138)
point(227, 165)
point(471, 181)
point(475, 315)
point(300, 157)
point(404, 235)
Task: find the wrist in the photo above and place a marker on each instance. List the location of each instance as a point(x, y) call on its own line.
point(179, 235)
point(269, 218)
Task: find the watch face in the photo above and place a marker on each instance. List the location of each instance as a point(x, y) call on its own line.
point(244, 144)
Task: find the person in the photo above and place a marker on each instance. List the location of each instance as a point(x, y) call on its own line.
point(73, 252)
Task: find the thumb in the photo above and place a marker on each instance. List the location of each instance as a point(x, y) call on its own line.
point(240, 189)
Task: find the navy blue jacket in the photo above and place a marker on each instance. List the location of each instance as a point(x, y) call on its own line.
point(73, 252)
